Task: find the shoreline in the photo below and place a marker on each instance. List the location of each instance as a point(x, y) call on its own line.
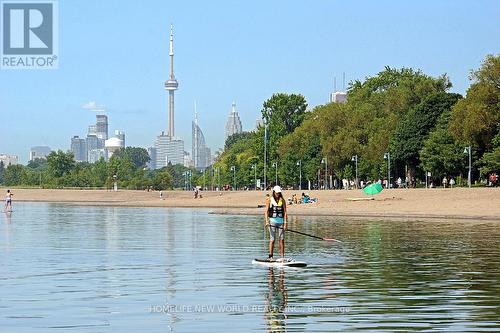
point(481, 204)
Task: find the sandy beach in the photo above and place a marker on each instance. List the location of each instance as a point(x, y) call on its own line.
point(457, 203)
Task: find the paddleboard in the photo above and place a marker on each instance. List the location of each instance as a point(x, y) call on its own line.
point(280, 262)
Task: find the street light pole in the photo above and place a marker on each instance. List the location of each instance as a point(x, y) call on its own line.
point(468, 150)
point(299, 163)
point(275, 165)
point(325, 160)
point(233, 169)
point(254, 167)
point(265, 155)
point(387, 156)
point(355, 159)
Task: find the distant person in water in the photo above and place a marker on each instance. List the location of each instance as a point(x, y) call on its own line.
point(8, 201)
point(276, 219)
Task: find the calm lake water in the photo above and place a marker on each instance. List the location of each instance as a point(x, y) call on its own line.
point(94, 269)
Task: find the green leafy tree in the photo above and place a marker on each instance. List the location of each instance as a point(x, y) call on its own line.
point(408, 138)
point(162, 180)
point(37, 164)
point(60, 163)
point(138, 156)
point(282, 113)
point(441, 154)
point(232, 139)
point(490, 162)
point(14, 174)
point(475, 118)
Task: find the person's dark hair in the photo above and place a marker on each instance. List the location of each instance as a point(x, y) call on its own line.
point(280, 195)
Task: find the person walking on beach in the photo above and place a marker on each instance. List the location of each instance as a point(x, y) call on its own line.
point(275, 218)
point(8, 201)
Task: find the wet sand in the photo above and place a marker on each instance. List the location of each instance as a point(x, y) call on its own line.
point(457, 203)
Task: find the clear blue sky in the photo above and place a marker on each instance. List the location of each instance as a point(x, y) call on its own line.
point(116, 54)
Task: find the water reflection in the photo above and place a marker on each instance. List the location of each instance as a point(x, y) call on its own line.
point(80, 267)
point(276, 301)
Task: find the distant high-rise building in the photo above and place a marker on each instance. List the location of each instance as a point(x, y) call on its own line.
point(9, 159)
point(152, 158)
point(168, 150)
point(79, 149)
point(120, 135)
point(92, 130)
point(200, 152)
point(188, 161)
point(101, 126)
point(338, 97)
point(39, 152)
point(93, 142)
point(233, 123)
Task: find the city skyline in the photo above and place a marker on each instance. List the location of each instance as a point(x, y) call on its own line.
point(259, 56)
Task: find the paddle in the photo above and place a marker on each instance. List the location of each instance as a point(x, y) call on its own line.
point(313, 236)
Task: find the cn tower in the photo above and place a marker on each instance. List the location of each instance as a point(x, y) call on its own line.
point(171, 86)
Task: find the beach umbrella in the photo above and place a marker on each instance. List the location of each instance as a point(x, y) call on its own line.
point(372, 189)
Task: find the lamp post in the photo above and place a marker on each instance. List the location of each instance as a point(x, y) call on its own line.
point(325, 160)
point(355, 159)
point(233, 169)
point(190, 174)
point(254, 167)
point(299, 163)
point(115, 184)
point(468, 150)
point(387, 156)
point(265, 155)
point(217, 181)
point(275, 165)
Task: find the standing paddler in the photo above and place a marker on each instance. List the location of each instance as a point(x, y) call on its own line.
point(276, 219)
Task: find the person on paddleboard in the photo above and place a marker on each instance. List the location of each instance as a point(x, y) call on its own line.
point(276, 219)
point(8, 201)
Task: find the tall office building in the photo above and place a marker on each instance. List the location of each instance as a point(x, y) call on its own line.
point(79, 149)
point(200, 152)
point(39, 152)
point(101, 126)
point(338, 97)
point(120, 135)
point(233, 123)
point(170, 149)
point(9, 159)
point(152, 158)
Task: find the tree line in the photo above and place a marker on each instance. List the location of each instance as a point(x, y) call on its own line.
point(401, 115)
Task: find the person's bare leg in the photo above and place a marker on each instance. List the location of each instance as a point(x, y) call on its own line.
point(282, 247)
point(271, 247)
